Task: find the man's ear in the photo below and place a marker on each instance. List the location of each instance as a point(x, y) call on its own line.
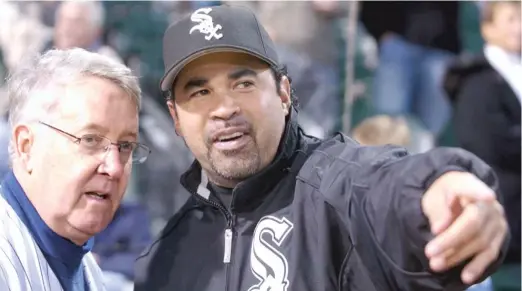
point(174, 114)
point(23, 140)
point(285, 95)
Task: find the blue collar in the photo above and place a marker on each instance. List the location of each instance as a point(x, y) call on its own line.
point(51, 244)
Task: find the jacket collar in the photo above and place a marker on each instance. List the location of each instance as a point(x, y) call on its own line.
point(253, 190)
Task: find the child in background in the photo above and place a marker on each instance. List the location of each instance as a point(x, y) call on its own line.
point(382, 130)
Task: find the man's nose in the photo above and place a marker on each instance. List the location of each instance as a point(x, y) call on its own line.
point(112, 164)
point(226, 107)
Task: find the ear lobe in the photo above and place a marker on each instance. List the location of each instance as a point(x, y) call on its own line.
point(23, 139)
point(174, 114)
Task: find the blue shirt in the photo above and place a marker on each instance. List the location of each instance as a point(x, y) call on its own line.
point(63, 256)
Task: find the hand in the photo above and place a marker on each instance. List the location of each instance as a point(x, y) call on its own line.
point(467, 221)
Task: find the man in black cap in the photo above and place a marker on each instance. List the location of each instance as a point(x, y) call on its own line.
point(275, 209)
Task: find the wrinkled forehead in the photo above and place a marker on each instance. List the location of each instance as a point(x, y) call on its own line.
point(92, 99)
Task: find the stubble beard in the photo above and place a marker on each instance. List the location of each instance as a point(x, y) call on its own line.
point(235, 165)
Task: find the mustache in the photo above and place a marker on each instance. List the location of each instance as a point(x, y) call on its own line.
point(223, 127)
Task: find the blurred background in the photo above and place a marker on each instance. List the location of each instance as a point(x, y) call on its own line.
point(417, 74)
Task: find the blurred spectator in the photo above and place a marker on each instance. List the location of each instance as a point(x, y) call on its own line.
point(382, 130)
point(21, 34)
point(486, 91)
point(416, 40)
point(118, 246)
point(80, 24)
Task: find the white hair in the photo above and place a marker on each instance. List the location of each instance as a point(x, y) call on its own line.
point(28, 84)
point(95, 10)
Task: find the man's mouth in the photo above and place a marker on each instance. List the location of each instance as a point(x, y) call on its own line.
point(97, 195)
point(230, 137)
point(231, 142)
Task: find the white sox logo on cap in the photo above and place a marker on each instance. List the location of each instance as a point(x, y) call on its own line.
point(206, 24)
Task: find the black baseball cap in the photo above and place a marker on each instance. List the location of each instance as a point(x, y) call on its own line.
point(213, 29)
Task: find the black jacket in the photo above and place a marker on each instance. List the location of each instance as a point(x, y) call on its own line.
point(487, 123)
point(325, 215)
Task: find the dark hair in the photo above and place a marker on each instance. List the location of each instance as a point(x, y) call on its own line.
point(277, 72)
point(488, 10)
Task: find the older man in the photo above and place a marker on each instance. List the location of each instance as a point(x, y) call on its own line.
point(74, 121)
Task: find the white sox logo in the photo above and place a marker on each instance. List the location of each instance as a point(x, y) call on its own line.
point(206, 24)
point(267, 263)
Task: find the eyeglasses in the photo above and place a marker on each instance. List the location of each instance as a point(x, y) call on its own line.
point(93, 144)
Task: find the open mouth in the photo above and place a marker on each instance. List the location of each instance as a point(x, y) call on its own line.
point(97, 195)
point(230, 137)
point(231, 142)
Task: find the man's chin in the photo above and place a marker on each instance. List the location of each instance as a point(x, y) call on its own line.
point(89, 227)
point(235, 170)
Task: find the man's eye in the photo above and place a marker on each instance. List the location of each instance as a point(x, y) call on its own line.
point(91, 140)
point(200, 93)
point(244, 85)
point(126, 147)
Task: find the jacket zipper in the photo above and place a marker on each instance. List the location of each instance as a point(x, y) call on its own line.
point(229, 242)
point(229, 234)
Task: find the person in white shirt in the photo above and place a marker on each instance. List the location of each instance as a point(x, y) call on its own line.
point(73, 116)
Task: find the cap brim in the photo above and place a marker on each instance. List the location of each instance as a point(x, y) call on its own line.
point(169, 77)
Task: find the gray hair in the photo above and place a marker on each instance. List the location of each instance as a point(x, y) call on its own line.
point(95, 10)
point(41, 73)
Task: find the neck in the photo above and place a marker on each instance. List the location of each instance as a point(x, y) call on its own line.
point(221, 181)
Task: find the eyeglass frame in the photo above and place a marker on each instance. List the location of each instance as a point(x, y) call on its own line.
point(77, 140)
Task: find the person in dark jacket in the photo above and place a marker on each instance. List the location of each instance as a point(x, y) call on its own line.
point(274, 209)
point(486, 91)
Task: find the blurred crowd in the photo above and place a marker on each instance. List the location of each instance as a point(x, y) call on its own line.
point(426, 74)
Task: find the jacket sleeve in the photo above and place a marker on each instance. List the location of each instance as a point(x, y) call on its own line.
point(382, 210)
